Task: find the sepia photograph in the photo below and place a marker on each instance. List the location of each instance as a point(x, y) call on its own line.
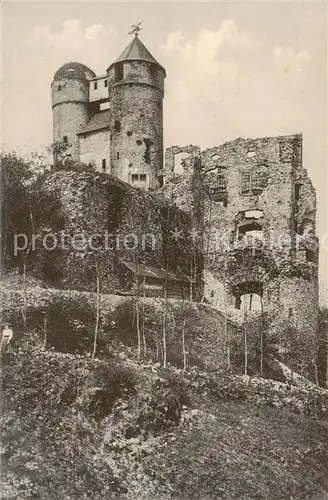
point(164, 250)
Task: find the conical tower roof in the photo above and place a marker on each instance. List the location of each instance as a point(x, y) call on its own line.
point(136, 51)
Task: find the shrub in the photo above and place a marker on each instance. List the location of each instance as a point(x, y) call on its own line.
point(169, 394)
point(111, 382)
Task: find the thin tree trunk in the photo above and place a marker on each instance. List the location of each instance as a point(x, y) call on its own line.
point(143, 320)
point(25, 295)
point(245, 339)
point(97, 315)
point(316, 373)
point(261, 337)
point(164, 325)
point(226, 339)
point(184, 346)
point(138, 330)
point(45, 332)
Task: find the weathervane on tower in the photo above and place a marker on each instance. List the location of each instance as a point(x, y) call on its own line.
point(136, 28)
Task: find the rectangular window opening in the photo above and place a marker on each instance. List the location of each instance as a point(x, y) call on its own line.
point(95, 85)
point(310, 256)
point(139, 180)
point(117, 155)
point(103, 164)
point(106, 83)
point(297, 191)
point(118, 72)
point(65, 139)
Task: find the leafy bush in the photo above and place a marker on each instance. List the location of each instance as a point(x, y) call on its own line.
point(112, 381)
point(66, 324)
point(49, 442)
point(169, 393)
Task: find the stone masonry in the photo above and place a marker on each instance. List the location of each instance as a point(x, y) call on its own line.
point(254, 209)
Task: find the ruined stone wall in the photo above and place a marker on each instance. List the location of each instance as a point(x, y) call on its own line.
point(94, 148)
point(256, 213)
point(170, 154)
point(99, 206)
point(137, 123)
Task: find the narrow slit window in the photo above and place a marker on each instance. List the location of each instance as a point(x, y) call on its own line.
point(297, 191)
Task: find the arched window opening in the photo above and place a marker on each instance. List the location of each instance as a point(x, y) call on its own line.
point(249, 302)
point(179, 160)
point(250, 233)
point(147, 156)
point(249, 296)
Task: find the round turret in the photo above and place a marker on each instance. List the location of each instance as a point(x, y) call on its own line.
point(136, 91)
point(70, 103)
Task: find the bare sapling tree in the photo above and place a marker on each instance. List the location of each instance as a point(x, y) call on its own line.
point(184, 352)
point(143, 317)
point(262, 326)
point(95, 338)
point(164, 325)
point(245, 339)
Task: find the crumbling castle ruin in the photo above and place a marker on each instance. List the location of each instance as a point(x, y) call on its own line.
point(249, 203)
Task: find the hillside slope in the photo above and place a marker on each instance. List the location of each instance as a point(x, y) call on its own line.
point(79, 428)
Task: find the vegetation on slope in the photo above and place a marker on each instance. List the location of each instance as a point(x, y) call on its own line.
point(78, 428)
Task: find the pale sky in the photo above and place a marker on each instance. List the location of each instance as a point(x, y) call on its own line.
point(233, 70)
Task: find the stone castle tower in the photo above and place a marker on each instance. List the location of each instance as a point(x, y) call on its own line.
point(114, 121)
point(70, 103)
point(136, 91)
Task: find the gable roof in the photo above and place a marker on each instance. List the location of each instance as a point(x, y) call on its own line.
point(99, 121)
point(152, 271)
point(136, 51)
